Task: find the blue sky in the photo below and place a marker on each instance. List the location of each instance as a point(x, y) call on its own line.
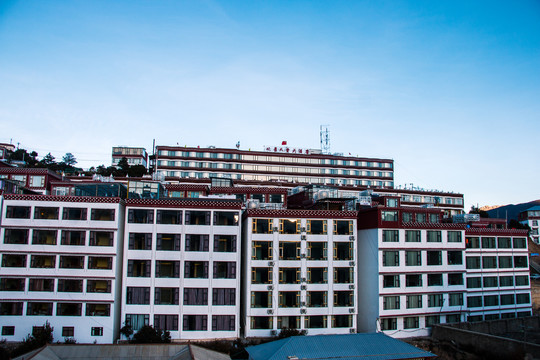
point(448, 89)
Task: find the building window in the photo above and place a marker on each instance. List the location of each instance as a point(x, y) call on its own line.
point(195, 323)
point(407, 216)
point(316, 322)
point(343, 227)
point(474, 301)
point(46, 213)
point(288, 299)
point(317, 227)
point(13, 260)
point(98, 286)
point(506, 281)
point(474, 283)
point(74, 214)
point(224, 270)
point(343, 298)
point(167, 269)
point(261, 275)
point(435, 300)
point(68, 309)
point(197, 242)
point(140, 241)
point(491, 300)
point(98, 309)
point(414, 301)
point(96, 331)
point(453, 318)
point(413, 280)
point(223, 296)
point(420, 217)
point(16, 236)
point(71, 262)
point(137, 321)
point(488, 243)
point(12, 284)
point(389, 215)
point(44, 237)
point(342, 321)
point(388, 324)
point(317, 250)
point(261, 250)
point(197, 217)
point(101, 238)
point(288, 322)
point(523, 298)
point(454, 236)
point(522, 280)
point(166, 296)
point(138, 295)
point(413, 258)
point(343, 275)
point(432, 320)
point(472, 243)
point(507, 299)
point(140, 216)
point(168, 242)
point(455, 258)
point(520, 243)
point(434, 257)
point(43, 261)
point(289, 275)
point(195, 296)
point(73, 238)
point(169, 217)
point(489, 262)
point(317, 275)
point(390, 281)
point(315, 298)
point(226, 218)
point(455, 299)
point(411, 322)
point(455, 279)
point(8, 330)
point(39, 308)
point(70, 285)
point(225, 243)
point(391, 303)
point(102, 214)
point(261, 322)
point(504, 243)
point(196, 270)
point(412, 236)
point(472, 262)
point(435, 280)
point(390, 236)
point(100, 262)
point(435, 236)
point(262, 226)
point(11, 308)
point(505, 262)
point(138, 268)
point(390, 258)
point(289, 226)
point(223, 322)
point(520, 262)
point(41, 285)
point(18, 212)
point(68, 331)
point(342, 251)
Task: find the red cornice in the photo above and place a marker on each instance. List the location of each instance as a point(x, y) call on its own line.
point(247, 190)
point(186, 203)
point(186, 187)
point(76, 199)
point(30, 171)
point(497, 232)
point(303, 214)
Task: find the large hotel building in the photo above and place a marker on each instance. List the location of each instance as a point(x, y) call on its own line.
point(228, 243)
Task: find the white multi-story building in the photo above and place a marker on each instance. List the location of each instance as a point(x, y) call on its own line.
point(497, 274)
point(299, 271)
point(181, 267)
point(61, 263)
point(133, 155)
point(531, 217)
point(411, 269)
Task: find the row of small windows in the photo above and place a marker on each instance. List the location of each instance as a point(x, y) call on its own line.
point(53, 213)
point(37, 308)
point(414, 258)
point(50, 261)
point(418, 301)
point(192, 269)
point(417, 280)
point(496, 300)
point(432, 199)
point(416, 236)
point(63, 285)
point(174, 217)
point(292, 299)
point(495, 243)
point(294, 322)
point(293, 275)
point(277, 159)
point(491, 262)
point(192, 242)
point(171, 296)
point(494, 281)
point(67, 237)
point(190, 322)
point(294, 226)
point(291, 250)
point(67, 331)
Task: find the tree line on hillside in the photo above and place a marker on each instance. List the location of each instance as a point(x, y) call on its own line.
point(67, 165)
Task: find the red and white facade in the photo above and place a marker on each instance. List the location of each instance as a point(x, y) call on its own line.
point(133, 155)
point(181, 269)
point(299, 271)
point(531, 217)
point(61, 262)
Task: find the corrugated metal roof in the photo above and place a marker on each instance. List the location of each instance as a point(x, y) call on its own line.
point(534, 208)
point(375, 346)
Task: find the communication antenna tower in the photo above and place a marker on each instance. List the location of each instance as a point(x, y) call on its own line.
point(325, 139)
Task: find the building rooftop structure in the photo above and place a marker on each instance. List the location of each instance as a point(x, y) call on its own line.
point(373, 346)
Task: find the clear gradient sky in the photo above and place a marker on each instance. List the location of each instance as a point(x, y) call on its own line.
point(448, 89)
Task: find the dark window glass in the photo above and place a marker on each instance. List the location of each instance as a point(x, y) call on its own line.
point(16, 236)
point(140, 216)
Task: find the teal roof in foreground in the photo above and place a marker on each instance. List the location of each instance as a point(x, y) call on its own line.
point(374, 346)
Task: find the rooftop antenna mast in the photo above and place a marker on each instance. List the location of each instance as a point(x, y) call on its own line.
point(325, 139)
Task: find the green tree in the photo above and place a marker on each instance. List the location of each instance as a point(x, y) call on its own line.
point(148, 335)
point(48, 161)
point(69, 159)
point(136, 171)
